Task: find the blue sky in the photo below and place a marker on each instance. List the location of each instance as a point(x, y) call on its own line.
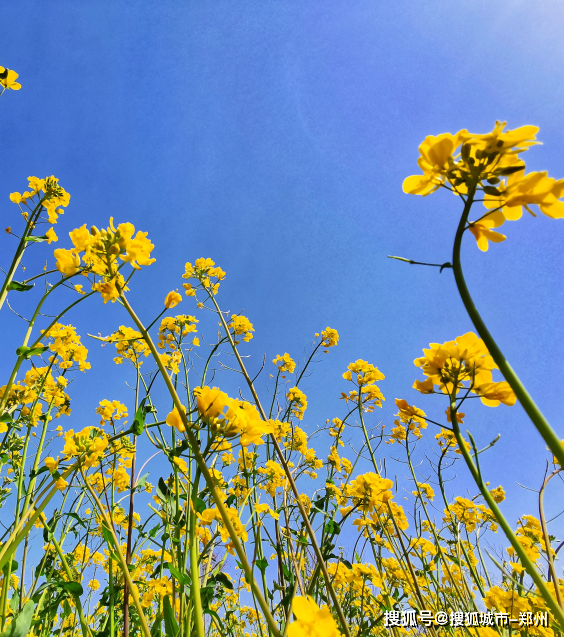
point(274, 138)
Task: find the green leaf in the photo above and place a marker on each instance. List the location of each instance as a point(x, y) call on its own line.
point(139, 421)
point(199, 505)
point(12, 566)
point(171, 627)
point(223, 579)
point(74, 516)
point(28, 352)
point(15, 600)
point(31, 239)
point(142, 480)
point(261, 565)
point(16, 286)
point(22, 623)
point(453, 558)
point(230, 500)
point(34, 474)
point(286, 572)
point(156, 627)
point(109, 538)
point(180, 577)
point(74, 588)
point(332, 527)
point(6, 417)
point(162, 490)
point(209, 611)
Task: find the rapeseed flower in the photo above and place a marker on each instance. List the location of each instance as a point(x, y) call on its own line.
point(8, 79)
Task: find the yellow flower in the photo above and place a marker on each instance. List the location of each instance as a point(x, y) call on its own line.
point(108, 290)
point(51, 236)
point(330, 337)
point(94, 584)
point(498, 494)
point(482, 230)
point(51, 463)
point(311, 621)
point(492, 394)
point(435, 161)
point(241, 326)
point(425, 386)
point(174, 420)
point(8, 79)
point(196, 341)
point(285, 363)
point(111, 410)
point(298, 402)
point(61, 484)
point(464, 364)
point(68, 261)
point(210, 402)
point(172, 299)
point(181, 464)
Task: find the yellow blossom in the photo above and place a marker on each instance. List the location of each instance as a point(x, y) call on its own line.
point(172, 299)
point(8, 79)
point(311, 621)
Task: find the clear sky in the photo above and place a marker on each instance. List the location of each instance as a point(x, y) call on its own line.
point(274, 137)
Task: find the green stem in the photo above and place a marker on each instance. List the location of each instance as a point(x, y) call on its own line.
point(278, 450)
point(200, 461)
point(195, 572)
point(519, 549)
point(529, 405)
point(122, 562)
point(78, 603)
point(19, 251)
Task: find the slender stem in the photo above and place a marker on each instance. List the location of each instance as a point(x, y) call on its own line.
point(123, 564)
point(195, 572)
point(200, 461)
point(83, 624)
point(529, 405)
point(518, 547)
point(303, 513)
point(547, 538)
point(19, 251)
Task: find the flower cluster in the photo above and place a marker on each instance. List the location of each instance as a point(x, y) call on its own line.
point(241, 326)
point(285, 363)
point(410, 420)
point(88, 444)
point(53, 197)
point(365, 376)
point(174, 328)
point(65, 344)
point(103, 251)
point(203, 270)
point(462, 364)
point(298, 402)
point(490, 163)
point(129, 345)
point(226, 417)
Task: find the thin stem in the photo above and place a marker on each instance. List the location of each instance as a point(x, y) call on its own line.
point(288, 473)
point(529, 405)
point(200, 461)
point(547, 542)
point(123, 564)
point(518, 547)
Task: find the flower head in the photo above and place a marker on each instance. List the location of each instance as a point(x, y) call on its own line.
point(8, 79)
